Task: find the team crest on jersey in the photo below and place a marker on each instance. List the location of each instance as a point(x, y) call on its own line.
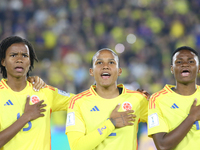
point(126, 106)
point(63, 93)
point(35, 99)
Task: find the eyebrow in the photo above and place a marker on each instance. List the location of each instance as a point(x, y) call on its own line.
point(182, 58)
point(108, 59)
point(18, 53)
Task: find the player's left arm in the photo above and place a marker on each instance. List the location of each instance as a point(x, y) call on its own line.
point(170, 140)
point(37, 82)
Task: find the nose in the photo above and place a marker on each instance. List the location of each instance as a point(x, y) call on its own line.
point(19, 60)
point(185, 63)
point(105, 66)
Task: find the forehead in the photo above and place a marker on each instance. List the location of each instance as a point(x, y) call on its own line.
point(104, 54)
point(184, 53)
point(18, 47)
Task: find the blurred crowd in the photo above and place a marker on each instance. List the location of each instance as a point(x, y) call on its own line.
point(66, 34)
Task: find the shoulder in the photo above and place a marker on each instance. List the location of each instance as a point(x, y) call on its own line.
point(164, 92)
point(3, 85)
point(82, 95)
point(134, 93)
point(50, 90)
point(79, 98)
point(198, 87)
point(157, 96)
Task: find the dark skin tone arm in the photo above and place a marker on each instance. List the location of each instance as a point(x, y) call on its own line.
point(121, 119)
point(167, 141)
point(37, 82)
point(31, 112)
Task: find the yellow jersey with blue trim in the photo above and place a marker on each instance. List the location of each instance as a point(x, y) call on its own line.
point(167, 110)
point(35, 135)
point(87, 111)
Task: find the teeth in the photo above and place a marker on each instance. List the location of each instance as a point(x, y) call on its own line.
point(105, 73)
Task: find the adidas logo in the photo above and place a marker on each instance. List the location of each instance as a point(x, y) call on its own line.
point(95, 108)
point(174, 106)
point(8, 103)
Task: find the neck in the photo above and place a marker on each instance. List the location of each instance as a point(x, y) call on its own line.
point(185, 89)
point(107, 92)
point(16, 84)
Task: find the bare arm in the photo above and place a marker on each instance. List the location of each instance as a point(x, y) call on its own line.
point(166, 141)
point(31, 112)
point(37, 82)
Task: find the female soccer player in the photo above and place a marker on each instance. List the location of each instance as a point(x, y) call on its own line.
point(25, 113)
point(174, 112)
point(91, 121)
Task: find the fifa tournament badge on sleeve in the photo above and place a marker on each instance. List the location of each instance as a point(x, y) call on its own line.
point(63, 93)
point(70, 119)
point(153, 120)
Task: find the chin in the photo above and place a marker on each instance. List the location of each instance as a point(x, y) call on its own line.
point(105, 84)
point(187, 81)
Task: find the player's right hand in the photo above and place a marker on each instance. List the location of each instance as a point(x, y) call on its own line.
point(195, 111)
point(121, 119)
point(34, 111)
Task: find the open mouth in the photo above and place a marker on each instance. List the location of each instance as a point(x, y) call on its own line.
point(105, 75)
point(18, 69)
point(185, 73)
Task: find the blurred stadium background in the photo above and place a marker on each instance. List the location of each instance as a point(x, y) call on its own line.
point(66, 33)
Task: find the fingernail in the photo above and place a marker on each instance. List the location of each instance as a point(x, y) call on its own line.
point(33, 82)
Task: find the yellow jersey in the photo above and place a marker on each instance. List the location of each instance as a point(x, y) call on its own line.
point(35, 135)
point(87, 111)
point(167, 110)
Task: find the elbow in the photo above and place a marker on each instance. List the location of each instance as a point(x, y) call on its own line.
point(162, 142)
point(163, 147)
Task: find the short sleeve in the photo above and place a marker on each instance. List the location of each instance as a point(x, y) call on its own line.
point(58, 99)
point(156, 121)
point(143, 110)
